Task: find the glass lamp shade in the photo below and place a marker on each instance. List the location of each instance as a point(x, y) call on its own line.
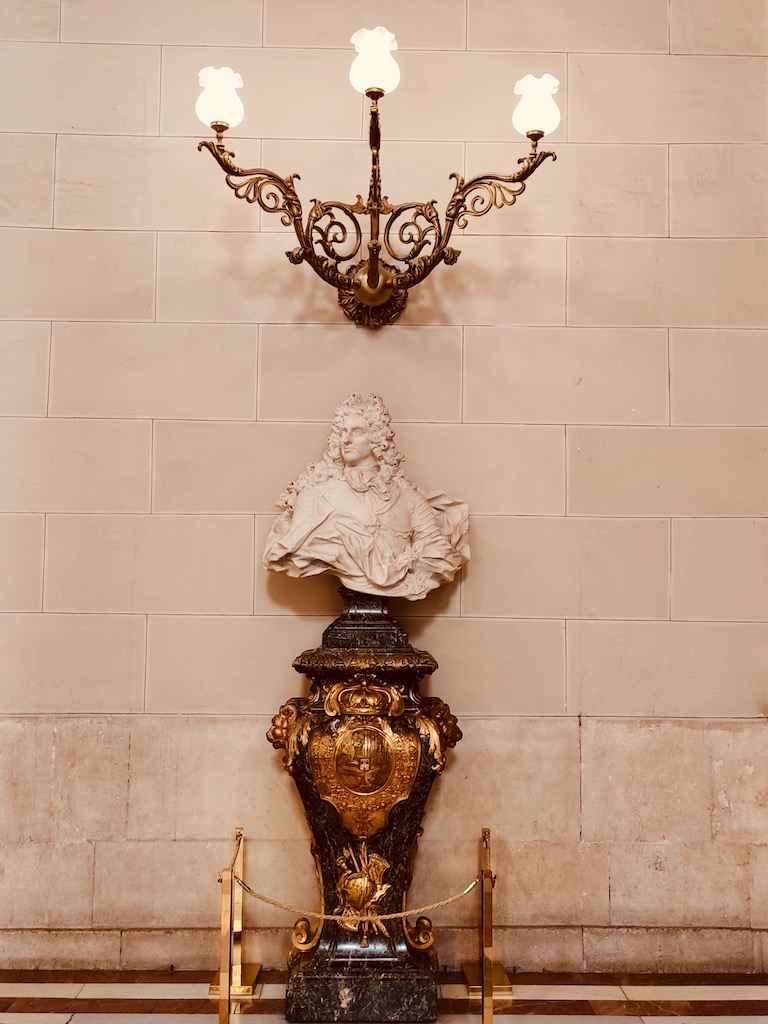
point(218, 102)
point(537, 110)
point(374, 67)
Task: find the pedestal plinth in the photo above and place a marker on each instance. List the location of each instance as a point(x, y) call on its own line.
point(364, 749)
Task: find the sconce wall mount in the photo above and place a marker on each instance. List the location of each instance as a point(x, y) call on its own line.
point(372, 251)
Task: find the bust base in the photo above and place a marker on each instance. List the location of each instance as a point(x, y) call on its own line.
point(365, 623)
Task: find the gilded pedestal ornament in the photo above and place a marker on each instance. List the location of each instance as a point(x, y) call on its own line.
point(365, 746)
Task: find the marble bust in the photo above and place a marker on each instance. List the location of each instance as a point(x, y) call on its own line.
point(356, 515)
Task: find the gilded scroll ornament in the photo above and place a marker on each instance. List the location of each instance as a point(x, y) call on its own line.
point(302, 936)
point(420, 936)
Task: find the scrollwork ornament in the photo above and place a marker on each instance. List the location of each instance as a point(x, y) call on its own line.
point(335, 229)
point(423, 266)
point(405, 240)
point(303, 938)
point(324, 267)
point(273, 194)
point(419, 936)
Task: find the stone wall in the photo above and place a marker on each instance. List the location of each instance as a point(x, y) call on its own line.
point(590, 377)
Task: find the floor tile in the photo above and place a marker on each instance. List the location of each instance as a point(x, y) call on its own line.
point(143, 1018)
point(551, 1018)
point(461, 1018)
point(48, 990)
point(107, 976)
point(122, 997)
point(34, 1018)
point(140, 991)
point(564, 992)
point(272, 991)
point(696, 993)
point(695, 1019)
point(263, 1018)
point(453, 992)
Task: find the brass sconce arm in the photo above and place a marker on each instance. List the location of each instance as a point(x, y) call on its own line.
point(273, 193)
point(472, 198)
point(476, 197)
point(278, 195)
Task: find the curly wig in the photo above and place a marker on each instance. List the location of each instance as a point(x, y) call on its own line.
point(375, 413)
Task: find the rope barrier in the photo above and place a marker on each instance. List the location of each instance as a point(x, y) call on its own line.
point(238, 844)
point(354, 918)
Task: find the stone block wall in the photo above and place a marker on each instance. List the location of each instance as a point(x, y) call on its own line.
point(590, 377)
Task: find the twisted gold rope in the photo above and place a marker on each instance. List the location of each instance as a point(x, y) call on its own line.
point(353, 918)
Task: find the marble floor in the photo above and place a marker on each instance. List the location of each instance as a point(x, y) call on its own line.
point(181, 997)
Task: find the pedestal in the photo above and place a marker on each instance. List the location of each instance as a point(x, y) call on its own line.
point(364, 750)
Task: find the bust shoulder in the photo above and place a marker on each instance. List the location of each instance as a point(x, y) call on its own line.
point(410, 493)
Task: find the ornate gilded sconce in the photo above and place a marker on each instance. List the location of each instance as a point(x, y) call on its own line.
point(373, 268)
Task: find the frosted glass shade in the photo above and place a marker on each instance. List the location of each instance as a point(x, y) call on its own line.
point(537, 110)
point(374, 67)
point(218, 101)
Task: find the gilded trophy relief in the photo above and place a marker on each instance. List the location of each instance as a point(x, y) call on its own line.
point(360, 888)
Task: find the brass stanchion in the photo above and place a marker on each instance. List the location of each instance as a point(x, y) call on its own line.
point(234, 977)
point(486, 980)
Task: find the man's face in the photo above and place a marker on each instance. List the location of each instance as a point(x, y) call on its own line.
point(356, 442)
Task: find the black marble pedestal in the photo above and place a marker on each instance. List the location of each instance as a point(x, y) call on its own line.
point(338, 990)
point(364, 749)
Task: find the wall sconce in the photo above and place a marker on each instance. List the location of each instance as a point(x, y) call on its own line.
point(372, 290)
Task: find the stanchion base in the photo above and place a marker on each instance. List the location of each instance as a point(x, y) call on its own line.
point(249, 977)
point(473, 975)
